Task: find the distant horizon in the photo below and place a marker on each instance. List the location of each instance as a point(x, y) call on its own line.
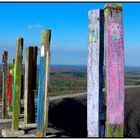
point(73, 65)
point(69, 25)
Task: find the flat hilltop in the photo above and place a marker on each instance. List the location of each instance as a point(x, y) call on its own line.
point(68, 115)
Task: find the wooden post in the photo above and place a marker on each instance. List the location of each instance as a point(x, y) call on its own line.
point(43, 98)
point(102, 108)
point(95, 96)
point(22, 86)
point(30, 84)
point(4, 85)
point(22, 91)
point(17, 84)
point(13, 84)
point(34, 83)
point(114, 69)
point(10, 87)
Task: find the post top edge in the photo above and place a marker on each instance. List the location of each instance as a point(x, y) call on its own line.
point(31, 47)
point(47, 30)
point(20, 38)
point(5, 51)
point(95, 10)
point(115, 6)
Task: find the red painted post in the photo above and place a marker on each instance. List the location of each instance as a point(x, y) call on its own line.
point(10, 87)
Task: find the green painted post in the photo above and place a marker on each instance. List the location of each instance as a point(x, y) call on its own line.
point(4, 85)
point(43, 97)
point(13, 83)
point(17, 84)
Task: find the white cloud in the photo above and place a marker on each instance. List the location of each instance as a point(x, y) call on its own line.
point(35, 26)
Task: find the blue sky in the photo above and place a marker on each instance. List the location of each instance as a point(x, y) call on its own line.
point(69, 25)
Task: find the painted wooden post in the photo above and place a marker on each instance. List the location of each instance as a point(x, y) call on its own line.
point(4, 85)
point(30, 84)
point(43, 98)
point(10, 87)
point(114, 69)
point(22, 86)
point(22, 91)
point(17, 84)
point(95, 112)
point(13, 83)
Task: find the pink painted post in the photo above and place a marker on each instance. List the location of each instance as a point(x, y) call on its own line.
point(114, 69)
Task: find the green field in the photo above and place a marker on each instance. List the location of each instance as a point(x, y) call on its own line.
point(68, 82)
point(132, 78)
point(73, 79)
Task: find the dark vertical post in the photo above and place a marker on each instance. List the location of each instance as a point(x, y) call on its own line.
point(17, 84)
point(30, 84)
point(114, 69)
point(4, 85)
point(43, 97)
point(102, 108)
point(34, 83)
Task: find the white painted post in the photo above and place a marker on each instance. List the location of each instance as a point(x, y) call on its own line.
point(95, 49)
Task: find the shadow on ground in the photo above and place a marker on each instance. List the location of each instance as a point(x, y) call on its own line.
point(132, 113)
point(70, 114)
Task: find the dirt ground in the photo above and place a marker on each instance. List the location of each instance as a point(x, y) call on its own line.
point(67, 115)
point(132, 112)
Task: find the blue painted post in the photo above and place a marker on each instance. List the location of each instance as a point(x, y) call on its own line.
point(43, 101)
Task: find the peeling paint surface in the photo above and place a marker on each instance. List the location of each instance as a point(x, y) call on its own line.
point(10, 90)
point(114, 67)
point(40, 95)
point(93, 75)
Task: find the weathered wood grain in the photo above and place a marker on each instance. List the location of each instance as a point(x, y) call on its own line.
point(13, 83)
point(114, 70)
point(95, 97)
point(43, 96)
point(30, 84)
point(17, 84)
point(4, 85)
